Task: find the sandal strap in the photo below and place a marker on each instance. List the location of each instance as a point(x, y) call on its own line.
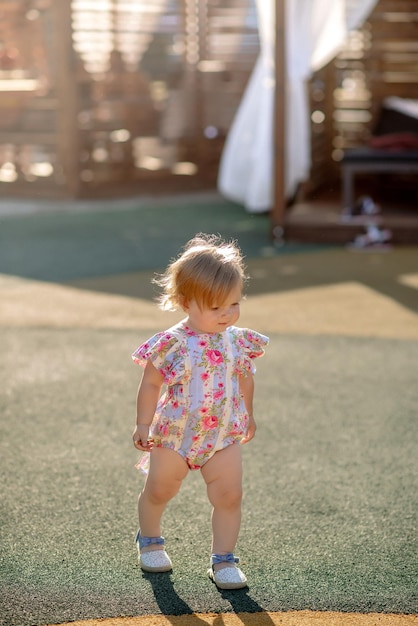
point(223, 558)
point(147, 541)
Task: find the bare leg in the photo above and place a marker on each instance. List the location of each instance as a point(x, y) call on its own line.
point(166, 473)
point(223, 477)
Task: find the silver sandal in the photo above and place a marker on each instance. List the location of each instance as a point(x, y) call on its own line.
point(155, 560)
point(227, 577)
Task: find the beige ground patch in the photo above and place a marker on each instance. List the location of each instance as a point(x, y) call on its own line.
point(338, 309)
point(291, 618)
point(411, 280)
point(31, 303)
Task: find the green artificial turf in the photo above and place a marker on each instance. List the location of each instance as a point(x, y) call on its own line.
point(330, 483)
point(61, 246)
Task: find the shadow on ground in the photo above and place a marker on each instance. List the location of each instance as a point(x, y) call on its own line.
point(118, 250)
point(170, 603)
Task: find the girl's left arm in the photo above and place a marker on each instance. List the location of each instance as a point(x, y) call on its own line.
point(246, 384)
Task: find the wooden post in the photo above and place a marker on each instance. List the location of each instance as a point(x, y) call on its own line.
point(279, 146)
point(65, 80)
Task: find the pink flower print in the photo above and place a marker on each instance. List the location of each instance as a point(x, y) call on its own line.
point(203, 410)
point(214, 357)
point(236, 429)
point(164, 429)
point(234, 434)
point(221, 385)
point(210, 422)
point(204, 376)
point(195, 438)
point(217, 395)
point(202, 343)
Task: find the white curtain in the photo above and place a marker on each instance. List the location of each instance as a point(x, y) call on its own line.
point(247, 159)
point(315, 30)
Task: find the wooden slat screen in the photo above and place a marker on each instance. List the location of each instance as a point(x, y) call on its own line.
point(379, 60)
point(113, 94)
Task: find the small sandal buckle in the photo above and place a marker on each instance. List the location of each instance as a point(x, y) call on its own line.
point(223, 558)
point(147, 541)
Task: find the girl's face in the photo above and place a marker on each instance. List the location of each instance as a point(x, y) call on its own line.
point(217, 318)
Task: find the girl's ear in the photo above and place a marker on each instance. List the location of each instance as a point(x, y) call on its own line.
point(184, 304)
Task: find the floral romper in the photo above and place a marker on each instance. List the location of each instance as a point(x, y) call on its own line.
point(202, 410)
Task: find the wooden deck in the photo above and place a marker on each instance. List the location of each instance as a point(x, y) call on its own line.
point(322, 221)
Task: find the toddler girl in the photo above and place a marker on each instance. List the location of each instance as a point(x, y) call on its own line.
point(207, 366)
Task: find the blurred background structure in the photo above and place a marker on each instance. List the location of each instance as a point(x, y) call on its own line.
point(117, 97)
point(366, 97)
point(378, 61)
point(100, 96)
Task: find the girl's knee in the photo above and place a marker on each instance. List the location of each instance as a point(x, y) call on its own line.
point(159, 493)
point(227, 497)
point(166, 473)
point(233, 499)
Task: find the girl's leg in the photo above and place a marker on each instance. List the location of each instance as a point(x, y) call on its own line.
point(223, 477)
point(166, 473)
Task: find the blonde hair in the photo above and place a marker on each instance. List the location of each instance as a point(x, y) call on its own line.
point(206, 271)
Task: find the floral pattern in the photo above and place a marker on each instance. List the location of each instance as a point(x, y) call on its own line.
point(202, 410)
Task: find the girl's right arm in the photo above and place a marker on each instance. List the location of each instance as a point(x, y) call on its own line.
point(146, 403)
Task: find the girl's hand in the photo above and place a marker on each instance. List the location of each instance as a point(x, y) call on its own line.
point(252, 427)
point(141, 438)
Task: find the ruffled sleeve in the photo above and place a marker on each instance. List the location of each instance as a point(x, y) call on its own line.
point(166, 352)
point(252, 344)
